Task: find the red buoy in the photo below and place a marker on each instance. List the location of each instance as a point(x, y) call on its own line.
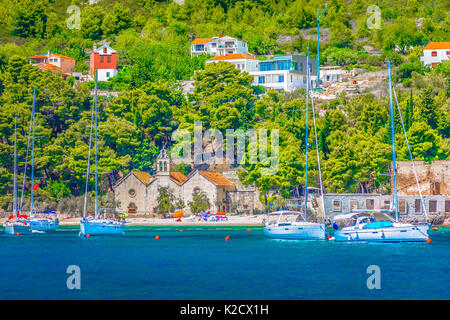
point(249, 230)
point(88, 235)
point(428, 240)
point(181, 230)
point(329, 238)
point(157, 237)
point(18, 233)
point(227, 238)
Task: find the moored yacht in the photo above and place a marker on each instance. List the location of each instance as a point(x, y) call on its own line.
point(296, 229)
point(299, 228)
point(17, 224)
point(365, 227)
point(41, 223)
point(96, 225)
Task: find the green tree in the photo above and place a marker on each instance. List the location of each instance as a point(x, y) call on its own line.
point(199, 203)
point(165, 201)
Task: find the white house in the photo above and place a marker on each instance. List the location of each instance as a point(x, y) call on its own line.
point(241, 61)
point(435, 52)
point(218, 46)
point(284, 73)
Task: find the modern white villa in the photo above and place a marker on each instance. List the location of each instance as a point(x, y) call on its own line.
point(281, 73)
point(218, 46)
point(435, 52)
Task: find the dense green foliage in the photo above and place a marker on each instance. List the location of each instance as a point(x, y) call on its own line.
point(152, 40)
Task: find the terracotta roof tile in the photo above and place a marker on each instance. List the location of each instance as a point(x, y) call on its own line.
point(232, 57)
point(217, 178)
point(178, 177)
point(48, 66)
point(201, 40)
point(145, 177)
point(438, 45)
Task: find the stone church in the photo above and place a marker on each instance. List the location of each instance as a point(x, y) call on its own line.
point(137, 192)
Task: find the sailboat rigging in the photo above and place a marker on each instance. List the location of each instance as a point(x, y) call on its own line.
point(97, 225)
point(364, 226)
point(300, 229)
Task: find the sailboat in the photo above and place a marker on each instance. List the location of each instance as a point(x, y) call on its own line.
point(96, 225)
point(365, 227)
point(38, 223)
point(17, 224)
point(301, 228)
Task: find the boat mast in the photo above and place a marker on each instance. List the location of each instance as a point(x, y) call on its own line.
point(26, 163)
point(89, 161)
point(394, 169)
point(318, 155)
point(15, 167)
point(33, 117)
point(306, 133)
point(95, 157)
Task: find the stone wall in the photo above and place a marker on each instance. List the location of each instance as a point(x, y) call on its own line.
point(433, 178)
point(124, 194)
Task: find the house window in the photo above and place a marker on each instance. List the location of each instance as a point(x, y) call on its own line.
point(107, 74)
point(101, 59)
point(387, 204)
point(417, 206)
point(432, 206)
point(55, 60)
point(337, 205)
point(434, 53)
point(447, 206)
point(108, 58)
point(448, 53)
point(301, 67)
point(310, 67)
point(353, 205)
point(132, 193)
point(280, 78)
point(261, 79)
point(402, 206)
point(105, 50)
point(370, 204)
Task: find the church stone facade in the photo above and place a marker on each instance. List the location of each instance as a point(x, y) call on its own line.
point(137, 192)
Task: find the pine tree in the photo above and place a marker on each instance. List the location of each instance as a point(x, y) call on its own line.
point(409, 112)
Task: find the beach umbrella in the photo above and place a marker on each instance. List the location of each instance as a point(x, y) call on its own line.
point(178, 214)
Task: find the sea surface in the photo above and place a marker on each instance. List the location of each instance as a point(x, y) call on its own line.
point(197, 263)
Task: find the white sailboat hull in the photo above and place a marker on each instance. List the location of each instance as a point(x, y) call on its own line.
point(396, 233)
point(101, 227)
point(43, 225)
point(297, 231)
point(17, 228)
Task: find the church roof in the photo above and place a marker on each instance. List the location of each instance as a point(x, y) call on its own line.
point(217, 178)
point(178, 177)
point(145, 177)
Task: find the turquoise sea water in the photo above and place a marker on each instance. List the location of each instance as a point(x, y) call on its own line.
point(199, 264)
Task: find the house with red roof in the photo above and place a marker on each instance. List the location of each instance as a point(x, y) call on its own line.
point(104, 61)
point(435, 52)
point(54, 62)
point(242, 61)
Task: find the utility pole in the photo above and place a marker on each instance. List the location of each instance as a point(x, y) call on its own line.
point(318, 48)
